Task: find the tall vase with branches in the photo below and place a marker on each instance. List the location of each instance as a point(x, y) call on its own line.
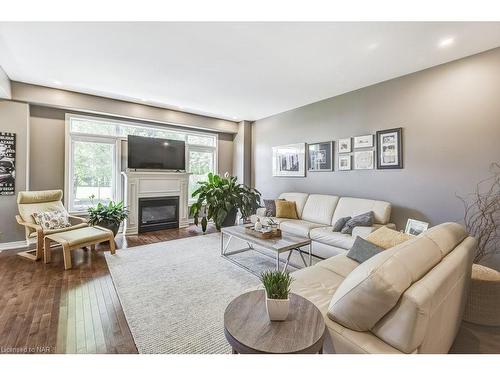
point(482, 214)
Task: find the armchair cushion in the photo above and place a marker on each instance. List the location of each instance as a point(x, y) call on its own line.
point(52, 219)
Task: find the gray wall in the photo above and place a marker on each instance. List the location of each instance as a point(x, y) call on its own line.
point(242, 153)
point(450, 116)
point(14, 119)
point(47, 148)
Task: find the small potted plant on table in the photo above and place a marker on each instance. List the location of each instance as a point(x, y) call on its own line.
point(277, 286)
point(108, 216)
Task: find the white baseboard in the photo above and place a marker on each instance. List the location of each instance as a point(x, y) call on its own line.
point(13, 245)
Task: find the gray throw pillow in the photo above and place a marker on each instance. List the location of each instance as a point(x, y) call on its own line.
point(363, 250)
point(340, 223)
point(363, 220)
point(270, 205)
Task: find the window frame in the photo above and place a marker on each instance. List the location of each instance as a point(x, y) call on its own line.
point(71, 136)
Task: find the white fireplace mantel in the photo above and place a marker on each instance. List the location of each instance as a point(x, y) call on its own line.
point(147, 184)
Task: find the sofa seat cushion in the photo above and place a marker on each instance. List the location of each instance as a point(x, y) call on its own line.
point(374, 288)
point(328, 237)
point(318, 283)
point(298, 227)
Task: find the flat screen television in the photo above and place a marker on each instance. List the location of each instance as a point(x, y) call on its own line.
point(156, 153)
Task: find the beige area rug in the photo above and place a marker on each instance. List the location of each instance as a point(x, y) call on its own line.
point(174, 293)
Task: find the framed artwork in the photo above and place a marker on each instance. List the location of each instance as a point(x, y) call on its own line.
point(7, 163)
point(344, 145)
point(415, 227)
point(390, 149)
point(363, 141)
point(289, 160)
point(363, 159)
point(344, 162)
point(320, 157)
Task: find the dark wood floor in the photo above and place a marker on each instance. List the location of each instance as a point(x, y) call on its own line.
point(45, 309)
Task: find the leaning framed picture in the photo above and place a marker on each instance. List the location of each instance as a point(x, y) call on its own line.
point(390, 149)
point(320, 157)
point(363, 159)
point(344, 162)
point(344, 145)
point(289, 160)
point(415, 227)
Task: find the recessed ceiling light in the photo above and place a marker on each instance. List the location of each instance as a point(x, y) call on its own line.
point(446, 42)
point(144, 100)
point(373, 46)
point(57, 83)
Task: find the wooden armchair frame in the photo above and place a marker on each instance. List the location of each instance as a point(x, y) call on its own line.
point(37, 254)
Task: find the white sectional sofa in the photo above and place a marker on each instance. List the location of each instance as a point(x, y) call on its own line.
point(318, 213)
point(406, 299)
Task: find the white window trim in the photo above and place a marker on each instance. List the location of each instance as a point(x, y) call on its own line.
point(71, 136)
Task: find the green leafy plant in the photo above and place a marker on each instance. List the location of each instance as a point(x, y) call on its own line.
point(112, 213)
point(222, 196)
point(276, 283)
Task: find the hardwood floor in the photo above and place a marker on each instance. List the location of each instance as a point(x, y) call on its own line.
point(45, 309)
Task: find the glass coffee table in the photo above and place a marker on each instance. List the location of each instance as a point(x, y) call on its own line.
point(286, 243)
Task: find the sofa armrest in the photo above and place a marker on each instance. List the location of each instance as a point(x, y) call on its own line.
point(363, 232)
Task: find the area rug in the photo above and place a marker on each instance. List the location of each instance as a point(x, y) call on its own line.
point(174, 293)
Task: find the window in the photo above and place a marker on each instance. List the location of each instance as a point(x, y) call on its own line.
point(93, 165)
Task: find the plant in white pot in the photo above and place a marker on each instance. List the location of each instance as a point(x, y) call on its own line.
point(277, 286)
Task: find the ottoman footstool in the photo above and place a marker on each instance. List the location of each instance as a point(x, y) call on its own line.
point(76, 239)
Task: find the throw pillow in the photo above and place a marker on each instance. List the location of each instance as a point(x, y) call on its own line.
point(363, 250)
point(286, 209)
point(387, 238)
point(270, 205)
point(52, 219)
point(363, 220)
point(340, 223)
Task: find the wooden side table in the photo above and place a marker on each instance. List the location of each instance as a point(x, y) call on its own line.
point(249, 331)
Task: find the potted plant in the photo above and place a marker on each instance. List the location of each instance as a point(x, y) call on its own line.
point(108, 216)
point(277, 286)
point(482, 220)
point(220, 198)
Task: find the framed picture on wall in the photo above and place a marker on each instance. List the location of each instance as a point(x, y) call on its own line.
point(289, 160)
point(390, 149)
point(7, 163)
point(344, 162)
point(363, 141)
point(363, 159)
point(415, 227)
point(344, 145)
point(320, 157)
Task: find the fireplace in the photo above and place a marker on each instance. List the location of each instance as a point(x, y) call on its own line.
point(158, 213)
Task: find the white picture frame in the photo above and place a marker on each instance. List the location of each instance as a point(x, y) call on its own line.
point(415, 227)
point(344, 145)
point(363, 141)
point(289, 160)
point(364, 160)
point(344, 162)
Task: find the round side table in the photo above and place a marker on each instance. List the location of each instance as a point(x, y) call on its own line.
point(249, 331)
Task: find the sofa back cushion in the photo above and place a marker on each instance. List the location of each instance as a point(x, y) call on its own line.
point(299, 199)
point(319, 208)
point(374, 288)
point(356, 206)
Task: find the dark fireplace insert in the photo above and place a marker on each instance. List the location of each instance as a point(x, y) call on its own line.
point(158, 213)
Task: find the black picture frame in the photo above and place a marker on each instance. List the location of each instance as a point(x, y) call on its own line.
point(7, 163)
point(394, 141)
point(313, 150)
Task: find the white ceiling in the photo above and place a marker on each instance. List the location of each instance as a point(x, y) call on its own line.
point(236, 71)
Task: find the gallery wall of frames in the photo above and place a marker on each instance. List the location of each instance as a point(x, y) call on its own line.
point(383, 150)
